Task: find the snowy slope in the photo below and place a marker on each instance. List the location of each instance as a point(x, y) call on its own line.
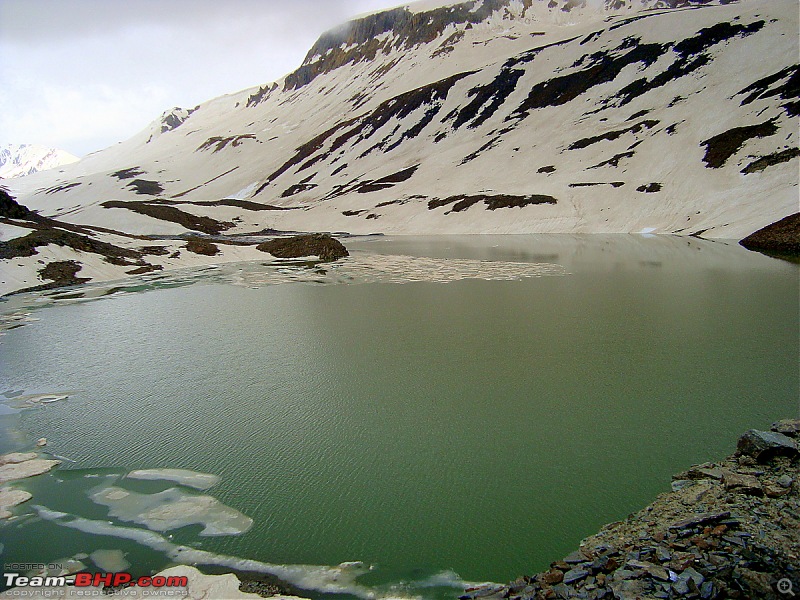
point(17, 160)
point(487, 116)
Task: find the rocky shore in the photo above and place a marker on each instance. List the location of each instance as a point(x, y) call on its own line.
point(728, 529)
point(780, 239)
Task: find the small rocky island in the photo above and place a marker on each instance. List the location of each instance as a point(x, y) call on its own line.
point(323, 245)
point(728, 529)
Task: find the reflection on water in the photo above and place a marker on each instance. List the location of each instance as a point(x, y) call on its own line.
point(362, 267)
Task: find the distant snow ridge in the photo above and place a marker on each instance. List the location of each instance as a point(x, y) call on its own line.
point(17, 160)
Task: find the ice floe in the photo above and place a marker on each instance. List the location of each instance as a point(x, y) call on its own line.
point(200, 481)
point(14, 320)
point(18, 465)
point(171, 509)
point(34, 400)
point(111, 561)
point(339, 579)
point(9, 498)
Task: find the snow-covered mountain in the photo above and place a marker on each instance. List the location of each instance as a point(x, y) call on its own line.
point(17, 160)
point(502, 116)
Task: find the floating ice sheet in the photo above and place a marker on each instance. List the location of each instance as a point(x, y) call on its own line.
point(339, 579)
point(34, 400)
point(200, 481)
point(385, 268)
point(171, 509)
point(9, 498)
point(14, 320)
point(11, 470)
point(111, 561)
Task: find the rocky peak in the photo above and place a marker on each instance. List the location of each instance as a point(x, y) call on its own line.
point(172, 119)
point(363, 38)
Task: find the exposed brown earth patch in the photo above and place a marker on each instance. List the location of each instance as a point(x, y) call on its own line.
point(203, 247)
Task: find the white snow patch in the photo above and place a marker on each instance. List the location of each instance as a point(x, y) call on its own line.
point(10, 232)
point(244, 192)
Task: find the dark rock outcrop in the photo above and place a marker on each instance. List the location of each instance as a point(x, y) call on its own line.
point(359, 40)
point(11, 208)
point(323, 245)
point(790, 427)
point(145, 187)
point(128, 173)
point(724, 145)
point(493, 202)
point(650, 188)
point(221, 142)
point(770, 160)
point(781, 239)
point(762, 445)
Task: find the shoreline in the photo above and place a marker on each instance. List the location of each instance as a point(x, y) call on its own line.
point(728, 529)
point(43, 254)
point(68, 272)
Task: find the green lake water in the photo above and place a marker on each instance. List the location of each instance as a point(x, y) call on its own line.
point(461, 408)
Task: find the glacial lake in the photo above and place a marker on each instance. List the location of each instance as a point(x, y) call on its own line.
point(444, 409)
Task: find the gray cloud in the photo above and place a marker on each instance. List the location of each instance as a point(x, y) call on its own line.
point(98, 63)
point(32, 20)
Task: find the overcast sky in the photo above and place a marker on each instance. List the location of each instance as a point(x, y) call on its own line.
point(81, 75)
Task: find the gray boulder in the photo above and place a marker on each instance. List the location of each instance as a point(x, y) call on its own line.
point(763, 445)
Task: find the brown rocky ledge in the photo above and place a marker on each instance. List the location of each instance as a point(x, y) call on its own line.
point(728, 529)
point(781, 239)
